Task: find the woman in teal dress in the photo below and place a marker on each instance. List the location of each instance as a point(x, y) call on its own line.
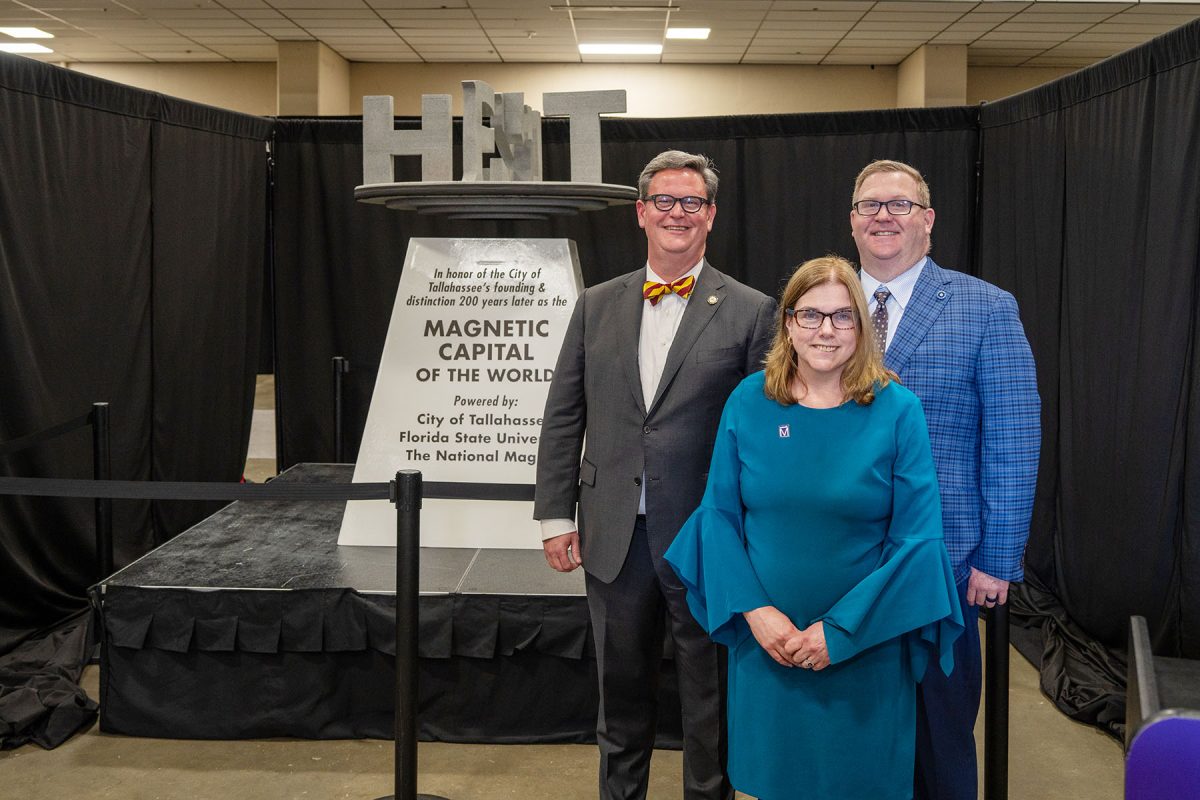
point(817, 557)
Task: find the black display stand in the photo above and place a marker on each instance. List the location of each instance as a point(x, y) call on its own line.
point(255, 623)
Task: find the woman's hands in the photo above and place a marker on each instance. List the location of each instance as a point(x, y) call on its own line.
point(784, 642)
point(808, 648)
point(772, 630)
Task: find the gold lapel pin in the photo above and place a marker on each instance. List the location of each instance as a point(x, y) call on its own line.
point(712, 299)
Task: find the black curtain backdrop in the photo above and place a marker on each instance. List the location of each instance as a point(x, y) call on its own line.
point(132, 233)
point(133, 229)
point(784, 197)
point(1089, 215)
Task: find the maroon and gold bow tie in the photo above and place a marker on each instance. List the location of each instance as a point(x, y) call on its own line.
point(654, 292)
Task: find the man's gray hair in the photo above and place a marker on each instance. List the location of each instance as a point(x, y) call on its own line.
point(677, 159)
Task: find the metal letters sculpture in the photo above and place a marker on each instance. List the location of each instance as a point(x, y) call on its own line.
point(508, 187)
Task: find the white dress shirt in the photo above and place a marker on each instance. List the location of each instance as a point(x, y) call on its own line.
point(901, 288)
point(659, 325)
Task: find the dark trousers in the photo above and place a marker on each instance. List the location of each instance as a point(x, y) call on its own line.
point(947, 706)
point(628, 618)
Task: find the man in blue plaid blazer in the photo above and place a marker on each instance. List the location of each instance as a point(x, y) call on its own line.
point(957, 342)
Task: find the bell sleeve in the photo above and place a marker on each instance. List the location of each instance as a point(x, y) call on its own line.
point(709, 553)
point(911, 593)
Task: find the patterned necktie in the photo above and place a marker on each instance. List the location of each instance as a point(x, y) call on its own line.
point(654, 292)
point(879, 319)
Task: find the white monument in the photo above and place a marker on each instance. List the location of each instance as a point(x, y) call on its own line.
point(477, 323)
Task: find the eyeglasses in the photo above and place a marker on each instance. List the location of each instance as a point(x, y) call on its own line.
point(665, 202)
point(842, 319)
point(897, 208)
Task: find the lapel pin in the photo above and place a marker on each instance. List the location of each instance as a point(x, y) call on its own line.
point(712, 299)
point(785, 431)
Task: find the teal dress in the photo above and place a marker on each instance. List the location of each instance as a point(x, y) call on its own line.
point(826, 514)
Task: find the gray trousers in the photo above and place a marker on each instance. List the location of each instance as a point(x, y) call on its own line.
point(628, 618)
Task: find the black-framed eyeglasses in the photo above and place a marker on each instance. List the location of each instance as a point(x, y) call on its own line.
point(665, 202)
point(843, 319)
point(897, 208)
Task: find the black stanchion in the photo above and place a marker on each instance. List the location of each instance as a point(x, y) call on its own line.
point(102, 469)
point(995, 706)
point(340, 367)
point(406, 494)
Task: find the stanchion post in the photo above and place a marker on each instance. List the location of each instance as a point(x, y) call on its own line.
point(406, 494)
point(102, 471)
point(995, 706)
point(340, 367)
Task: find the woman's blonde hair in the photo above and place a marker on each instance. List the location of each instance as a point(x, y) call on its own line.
point(863, 374)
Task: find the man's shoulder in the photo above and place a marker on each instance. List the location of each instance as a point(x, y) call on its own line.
point(967, 286)
point(616, 284)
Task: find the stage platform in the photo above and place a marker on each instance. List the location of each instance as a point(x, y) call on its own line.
point(255, 623)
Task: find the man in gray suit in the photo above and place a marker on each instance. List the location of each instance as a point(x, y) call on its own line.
point(648, 361)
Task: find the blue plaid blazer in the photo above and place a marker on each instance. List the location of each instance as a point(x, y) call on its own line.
point(961, 349)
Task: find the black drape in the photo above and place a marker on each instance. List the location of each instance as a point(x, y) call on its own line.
point(1089, 215)
point(133, 227)
point(784, 197)
point(131, 263)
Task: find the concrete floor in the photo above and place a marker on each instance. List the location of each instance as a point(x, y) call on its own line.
point(1050, 757)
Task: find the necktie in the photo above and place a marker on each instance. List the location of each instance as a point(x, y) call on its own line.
point(654, 292)
point(879, 319)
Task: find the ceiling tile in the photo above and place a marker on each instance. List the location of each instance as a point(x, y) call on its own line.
point(1125, 39)
point(971, 27)
point(884, 36)
point(1147, 31)
point(997, 61)
point(923, 18)
point(1056, 61)
point(454, 29)
point(730, 58)
point(1009, 36)
point(814, 16)
point(795, 59)
point(839, 58)
point(260, 14)
point(938, 6)
point(1070, 6)
point(289, 4)
point(986, 16)
point(1036, 27)
point(438, 4)
point(773, 35)
point(1046, 18)
point(832, 5)
point(262, 52)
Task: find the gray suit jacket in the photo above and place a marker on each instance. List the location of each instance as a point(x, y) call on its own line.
point(723, 336)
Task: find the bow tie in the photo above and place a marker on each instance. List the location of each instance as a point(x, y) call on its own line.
point(654, 292)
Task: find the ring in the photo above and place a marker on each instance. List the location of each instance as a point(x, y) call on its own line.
point(808, 663)
point(991, 598)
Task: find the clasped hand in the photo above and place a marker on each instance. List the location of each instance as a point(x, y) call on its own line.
point(784, 642)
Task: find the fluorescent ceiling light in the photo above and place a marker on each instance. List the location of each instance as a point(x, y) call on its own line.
point(26, 33)
point(669, 7)
point(24, 47)
point(620, 49)
point(688, 33)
